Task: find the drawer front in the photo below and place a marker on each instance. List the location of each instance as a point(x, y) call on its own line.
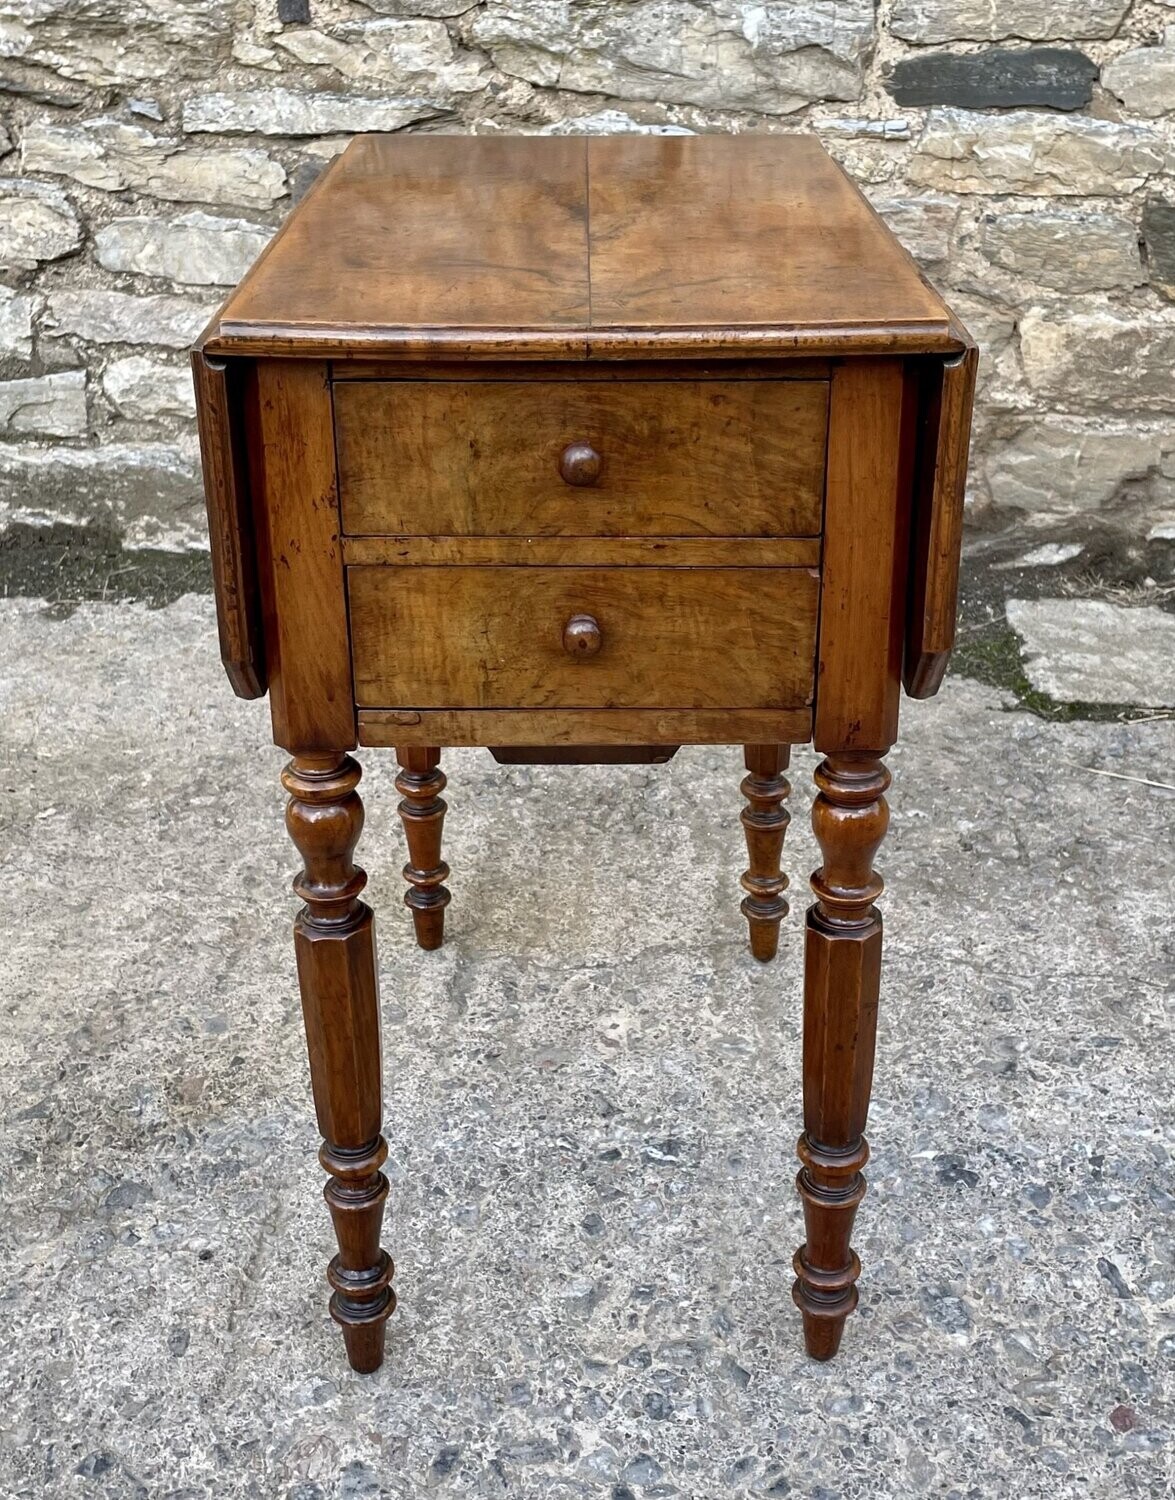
point(534, 637)
point(583, 458)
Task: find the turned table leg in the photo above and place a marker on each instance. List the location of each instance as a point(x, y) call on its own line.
point(765, 824)
point(422, 809)
point(335, 944)
point(842, 971)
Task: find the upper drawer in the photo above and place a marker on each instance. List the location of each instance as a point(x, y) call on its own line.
point(582, 458)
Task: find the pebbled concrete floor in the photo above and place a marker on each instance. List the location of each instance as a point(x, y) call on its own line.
point(592, 1099)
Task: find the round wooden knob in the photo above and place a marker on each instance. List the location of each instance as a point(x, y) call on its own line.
point(579, 463)
point(582, 637)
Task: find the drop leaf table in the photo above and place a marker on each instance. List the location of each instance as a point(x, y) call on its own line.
point(581, 450)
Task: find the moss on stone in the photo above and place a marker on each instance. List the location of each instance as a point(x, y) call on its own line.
point(991, 655)
point(67, 565)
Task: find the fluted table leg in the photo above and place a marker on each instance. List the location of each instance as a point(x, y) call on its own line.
point(842, 972)
point(335, 944)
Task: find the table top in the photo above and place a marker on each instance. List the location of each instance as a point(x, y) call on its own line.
point(573, 247)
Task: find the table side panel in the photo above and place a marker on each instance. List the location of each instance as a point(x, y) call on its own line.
point(220, 399)
point(944, 441)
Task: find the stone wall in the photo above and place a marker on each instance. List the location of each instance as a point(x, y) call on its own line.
point(1024, 150)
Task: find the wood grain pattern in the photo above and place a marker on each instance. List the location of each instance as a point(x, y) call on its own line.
point(944, 442)
point(742, 458)
point(486, 247)
point(430, 231)
point(866, 511)
point(713, 231)
point(584, 551)
point(219, 388)
point(301, 561)
point(583, 726)
point(671, 638)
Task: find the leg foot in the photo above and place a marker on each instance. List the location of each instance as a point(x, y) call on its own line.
point(842, 973)
point(334, 940)
point(364, 1343)
point(765, 824)
point(361, 1273)
point(822, 1333)
point(422, 809)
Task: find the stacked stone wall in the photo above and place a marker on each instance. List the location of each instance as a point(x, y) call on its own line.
point(1024, 150)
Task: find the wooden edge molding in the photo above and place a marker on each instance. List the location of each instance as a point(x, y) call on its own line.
point(338, 342)
point(944, 440)
point(230, 527)
point(344, 341)
point(583, 726)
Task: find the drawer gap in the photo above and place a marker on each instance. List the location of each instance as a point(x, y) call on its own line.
point(588, 551)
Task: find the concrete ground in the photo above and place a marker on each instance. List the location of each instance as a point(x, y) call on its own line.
point(592, 1100)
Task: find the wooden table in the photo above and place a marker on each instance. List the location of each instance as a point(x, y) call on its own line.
point(582, 450)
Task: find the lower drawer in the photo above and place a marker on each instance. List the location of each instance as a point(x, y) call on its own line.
point(581, 637)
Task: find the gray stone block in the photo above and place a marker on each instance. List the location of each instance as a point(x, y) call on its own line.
point(196, 249)
point(16, 325)
point(291, 112)
point(44, 405)
point(412, 58)
point(1144, 79)
point(1041, 155)
point(1158, 233)
point(101, 317)
point(773, 57)
point(988, 21)
point(1065, 249)
point(111, 155)
point(1100, 358)
point(1062, 466)
point(37, 223)
point(149, 390)
point(924, 224)
point(997, 78)
point(108, 44)
point(1091, 651)
point(150, 493)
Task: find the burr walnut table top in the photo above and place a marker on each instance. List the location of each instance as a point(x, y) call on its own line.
point(572, 247)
